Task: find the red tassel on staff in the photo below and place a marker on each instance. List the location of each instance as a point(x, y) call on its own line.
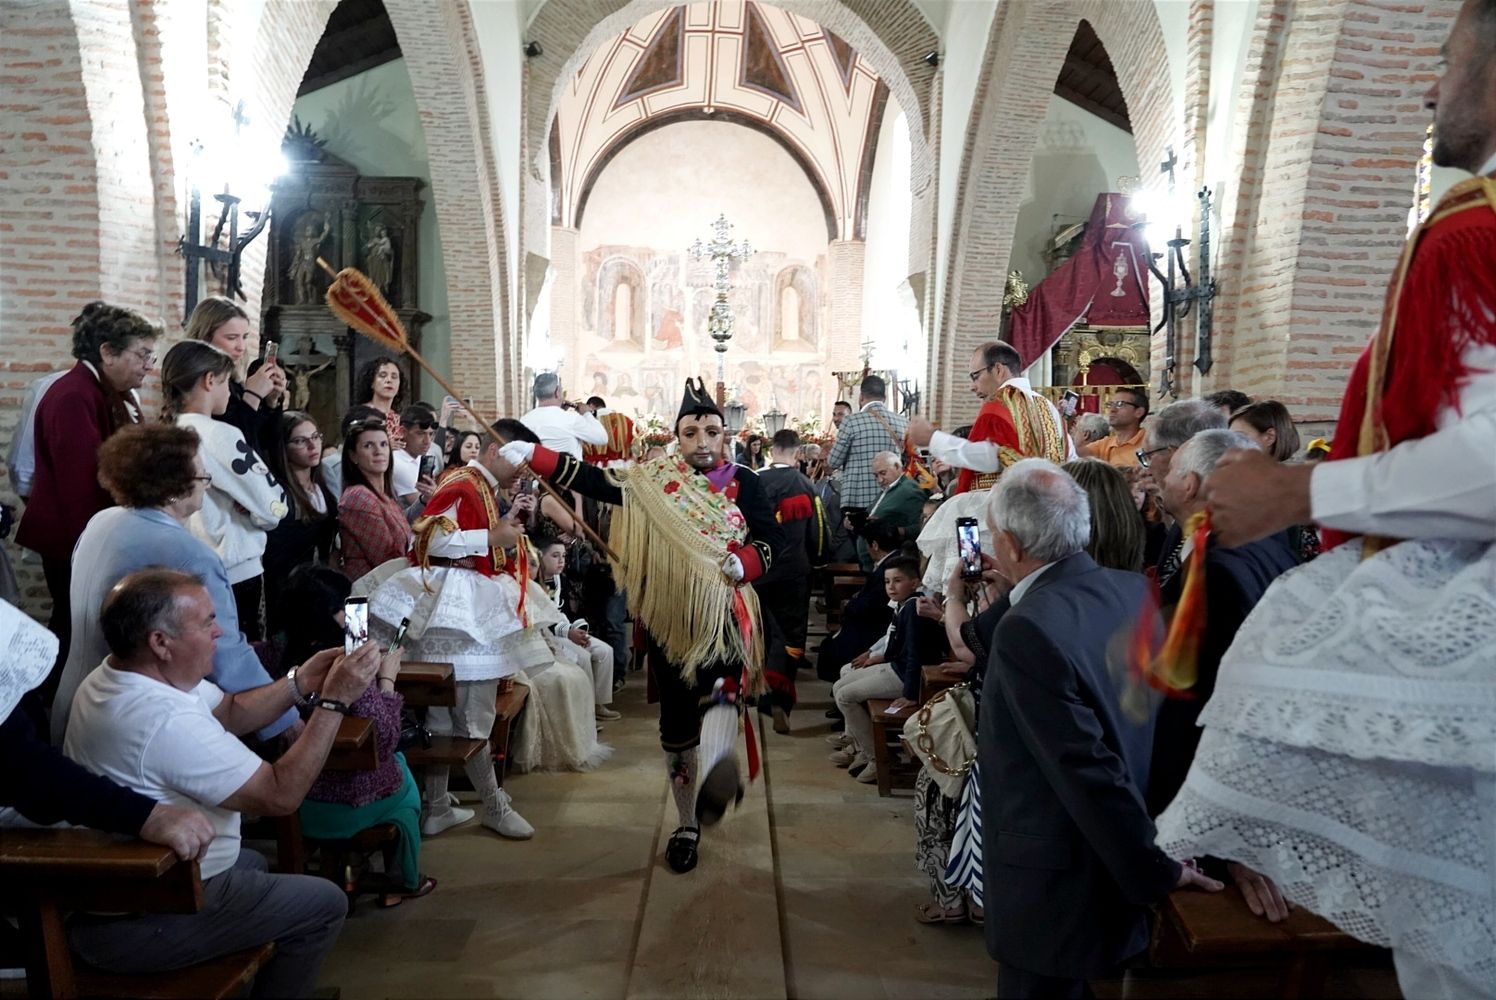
point(1176, 667)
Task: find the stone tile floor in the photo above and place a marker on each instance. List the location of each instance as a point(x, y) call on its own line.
point(806, 892)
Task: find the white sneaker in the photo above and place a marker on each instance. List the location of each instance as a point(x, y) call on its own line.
point(440, 820)
point(839, 740)
point(606, 714)
point(508, 823)
point(868, 775)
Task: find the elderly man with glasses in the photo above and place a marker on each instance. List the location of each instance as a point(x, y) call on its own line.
point(1124, 415)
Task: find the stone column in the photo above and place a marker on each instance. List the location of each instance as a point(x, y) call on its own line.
point(565, 304)
point(844, 273)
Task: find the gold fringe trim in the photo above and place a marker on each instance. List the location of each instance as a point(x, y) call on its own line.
point(672, 573)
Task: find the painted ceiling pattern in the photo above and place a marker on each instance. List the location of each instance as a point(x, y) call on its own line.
point(739, 60)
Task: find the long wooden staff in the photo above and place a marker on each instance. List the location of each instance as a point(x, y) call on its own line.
point(355, 300)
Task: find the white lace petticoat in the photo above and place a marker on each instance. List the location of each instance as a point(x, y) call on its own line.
point(460, 617)
point(1349, 750)
point(938, 539)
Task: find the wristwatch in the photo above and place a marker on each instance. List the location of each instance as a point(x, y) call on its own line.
point(331, 704)
point(301, 700)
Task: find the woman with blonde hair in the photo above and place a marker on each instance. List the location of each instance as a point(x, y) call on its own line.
point(244, 499)
point(255, 403)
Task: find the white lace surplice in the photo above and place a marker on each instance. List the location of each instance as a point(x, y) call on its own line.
point(1349, 750)
point(937, 542)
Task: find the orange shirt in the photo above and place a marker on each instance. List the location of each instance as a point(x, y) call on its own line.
point(1120, 452)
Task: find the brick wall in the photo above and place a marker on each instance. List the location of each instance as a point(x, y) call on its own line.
point(1025, 50)
point(1332, 102)
point(446, 74)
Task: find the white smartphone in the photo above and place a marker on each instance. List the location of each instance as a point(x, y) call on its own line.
point(355, 623)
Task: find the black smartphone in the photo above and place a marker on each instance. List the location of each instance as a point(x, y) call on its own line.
point(355, 623)
point(526, 488)
point(399, 639)
point(428, 466)
point(1069, 402)
point(969, 546)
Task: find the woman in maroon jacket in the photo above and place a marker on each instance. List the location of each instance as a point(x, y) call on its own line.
point(115, 349)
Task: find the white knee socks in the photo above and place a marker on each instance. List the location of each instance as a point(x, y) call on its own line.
point(681, 771)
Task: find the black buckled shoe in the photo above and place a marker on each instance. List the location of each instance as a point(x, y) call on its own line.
point(680, 852)
point(720, 787)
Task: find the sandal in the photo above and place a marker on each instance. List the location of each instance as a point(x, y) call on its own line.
point(680, 852)
point(390, 900)
point(934, 913)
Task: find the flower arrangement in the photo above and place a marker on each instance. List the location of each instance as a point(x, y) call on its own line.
point(653, 433)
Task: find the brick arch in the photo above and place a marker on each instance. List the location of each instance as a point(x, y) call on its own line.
point(1025, 50)
point(1329, 113)
point(441, 55)
point(892, 35)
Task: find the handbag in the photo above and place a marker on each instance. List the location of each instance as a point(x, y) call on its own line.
point(942, 734)
point(412, 731)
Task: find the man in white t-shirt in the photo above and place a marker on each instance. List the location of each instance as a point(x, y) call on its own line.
point(148, 719)
point(561, 429)
point(419, 423)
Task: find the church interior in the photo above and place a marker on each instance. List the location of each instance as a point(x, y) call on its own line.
point(782, 198)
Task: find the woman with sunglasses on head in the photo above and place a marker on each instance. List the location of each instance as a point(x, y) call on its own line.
point(255, 403)
point(372, 526)
point(309, 529)
point(244, 498)
point(156, 474)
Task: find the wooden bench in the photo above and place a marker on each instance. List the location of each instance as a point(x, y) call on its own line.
point(49, 872)
point(424, 684)
point(891, 774)
point(1198, 929)
point(428, 684)
point(355, 748)
point(845, 585)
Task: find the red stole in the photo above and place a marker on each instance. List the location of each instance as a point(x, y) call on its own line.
point(1436, 307)
point(1020, 425)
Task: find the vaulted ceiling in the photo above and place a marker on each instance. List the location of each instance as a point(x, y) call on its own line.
point(729, 60)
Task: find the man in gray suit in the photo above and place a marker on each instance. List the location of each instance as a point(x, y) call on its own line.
point(1070, 864)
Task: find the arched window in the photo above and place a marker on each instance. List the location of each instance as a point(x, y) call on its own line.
point(789, 314)
point(623, 311)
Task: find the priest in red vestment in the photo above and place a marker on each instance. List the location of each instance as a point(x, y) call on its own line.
point(1015, 423)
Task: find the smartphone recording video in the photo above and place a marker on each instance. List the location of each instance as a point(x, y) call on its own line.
point(355, 623)
point(969, 547)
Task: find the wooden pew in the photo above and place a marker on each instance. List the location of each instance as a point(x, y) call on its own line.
point(891, 774)
point(423, 685)
point(47, 873)
point(355, 748)
point(846, 580)
point(1216, 929)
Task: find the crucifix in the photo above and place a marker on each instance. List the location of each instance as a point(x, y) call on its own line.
point(1178, 301)
point(722, 251)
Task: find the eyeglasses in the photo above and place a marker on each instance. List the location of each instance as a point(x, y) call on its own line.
point(1144, 458)
point(301, 441)
point(1115, 403)
point(144, 354)
point(980, 372)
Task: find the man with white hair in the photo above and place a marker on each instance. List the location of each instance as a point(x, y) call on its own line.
point(560, 428)
point(1235, 580)
point(1171, 428)
point(1070, 863)
point(899, 503)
